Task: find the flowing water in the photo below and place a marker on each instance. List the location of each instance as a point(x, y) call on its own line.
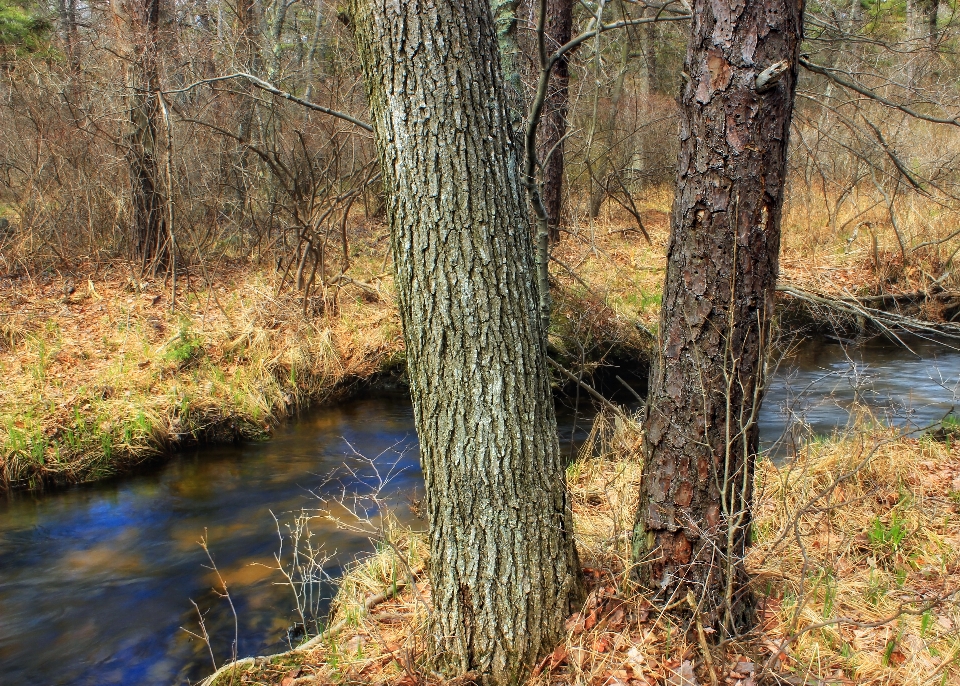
point(818, 383)
point(96, 582)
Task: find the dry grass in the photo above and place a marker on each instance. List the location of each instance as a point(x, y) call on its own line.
point(871, 535)
point(863, 528)
point(100, 374)
point(844, 249)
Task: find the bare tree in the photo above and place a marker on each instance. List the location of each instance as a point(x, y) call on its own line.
point(559, 31)
point(140, 29)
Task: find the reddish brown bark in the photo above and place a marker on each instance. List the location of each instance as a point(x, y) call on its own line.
point(701, 436)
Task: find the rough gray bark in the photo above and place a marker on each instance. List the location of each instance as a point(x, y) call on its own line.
point(503, 567)
point(701, 435)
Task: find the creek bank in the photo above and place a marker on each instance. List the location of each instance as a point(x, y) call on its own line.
point(127, 549)
point(856, 559)
point(846, 318)
point(103, 375)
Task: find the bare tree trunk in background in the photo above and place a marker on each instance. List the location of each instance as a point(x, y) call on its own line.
point(505, 20)
point(932, 9)
point(559, 28)
point(608, 126)
point(701, 438)
point(503, 566)
point(149, 233)
point(921, 28)
point(67, 20)
point(250, 16)
point(309, 69)
point(649, 46)
point(208, 65)
point(276, 35)
point(913, 26)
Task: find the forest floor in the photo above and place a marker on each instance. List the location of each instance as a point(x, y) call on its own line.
point(856, 563)
point(101, 373)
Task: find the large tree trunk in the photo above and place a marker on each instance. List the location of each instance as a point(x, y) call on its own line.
point(503, 567)
point(701, 434)
point(559, 28)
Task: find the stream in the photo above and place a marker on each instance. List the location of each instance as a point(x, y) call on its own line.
point(96, 582)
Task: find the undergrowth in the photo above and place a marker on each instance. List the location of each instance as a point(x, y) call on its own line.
point(856, 560)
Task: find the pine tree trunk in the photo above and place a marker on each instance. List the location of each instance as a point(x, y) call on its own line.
point(503, 567)
point(554, 126)
point(701, 436)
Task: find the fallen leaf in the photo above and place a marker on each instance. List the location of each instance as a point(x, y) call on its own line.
point(684, 676)
point(643, 613)
point(601, 645)
point(616, 619)
point(551, 661)
point(558, 657)
point(616, 678)
point(290, 677)
point(575, 623)
point(635, 658)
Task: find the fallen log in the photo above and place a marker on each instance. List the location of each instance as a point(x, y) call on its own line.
point(894, 322)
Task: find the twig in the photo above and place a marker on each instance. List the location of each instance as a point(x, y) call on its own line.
point(270, 88)
point(873, 95)
point(702, 639)
point(629, 388)
point(368, 605)
point(588, 388)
